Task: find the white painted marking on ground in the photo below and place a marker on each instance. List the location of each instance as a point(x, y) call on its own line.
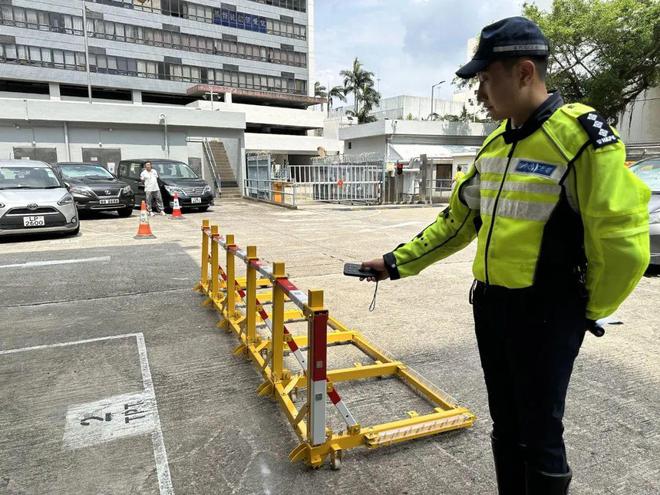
point(393, 226)
point(66, 344)
point(108, 419)
point(31, 264)
point(149, 401)
point(160, 454)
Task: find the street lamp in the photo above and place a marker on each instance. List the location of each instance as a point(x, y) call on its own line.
point(432, 88)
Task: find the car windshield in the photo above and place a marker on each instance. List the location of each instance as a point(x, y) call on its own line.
point(174, 170)
point(28, 178)
point(649, 172)
point(85, 171)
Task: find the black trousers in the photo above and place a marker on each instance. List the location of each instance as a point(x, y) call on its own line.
point(528, 340)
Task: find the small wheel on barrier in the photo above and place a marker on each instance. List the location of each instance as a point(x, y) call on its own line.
point(335, 461)
point(293, 395)
point(264, 353)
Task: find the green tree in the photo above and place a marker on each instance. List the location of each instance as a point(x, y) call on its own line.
point(603, 52)
point(360, 83)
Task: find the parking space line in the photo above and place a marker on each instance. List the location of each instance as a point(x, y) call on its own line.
point(157, 440)
point(394, 226)
point(66, 344)
point(160, 454)
point(31, 264)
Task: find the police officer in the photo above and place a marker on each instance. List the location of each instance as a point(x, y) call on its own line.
point(562, 239)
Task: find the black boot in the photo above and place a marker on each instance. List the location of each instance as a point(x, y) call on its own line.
point(540, 483)
point(509, 467)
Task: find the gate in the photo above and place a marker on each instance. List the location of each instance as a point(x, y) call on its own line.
point(340, 179)
point(258, 181)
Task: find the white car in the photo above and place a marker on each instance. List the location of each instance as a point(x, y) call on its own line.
point(34, 200)
point(649, 171)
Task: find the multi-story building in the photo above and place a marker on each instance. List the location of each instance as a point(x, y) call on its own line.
point(249, 56)
point(153, 48)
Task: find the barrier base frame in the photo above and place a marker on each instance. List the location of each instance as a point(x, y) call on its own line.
point(447, 415)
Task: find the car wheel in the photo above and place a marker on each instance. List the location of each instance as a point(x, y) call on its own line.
point(74, 233)
point(125, 212)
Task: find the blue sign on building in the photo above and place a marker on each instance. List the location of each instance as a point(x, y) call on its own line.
point(240, 20)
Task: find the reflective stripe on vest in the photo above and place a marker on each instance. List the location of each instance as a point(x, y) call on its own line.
point(515, 207)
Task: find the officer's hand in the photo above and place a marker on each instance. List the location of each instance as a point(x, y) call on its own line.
point(377, 265)
point(595, 328)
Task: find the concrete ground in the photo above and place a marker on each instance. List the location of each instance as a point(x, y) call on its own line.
point(114, 380)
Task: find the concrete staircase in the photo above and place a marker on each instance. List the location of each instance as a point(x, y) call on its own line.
point(229, 186)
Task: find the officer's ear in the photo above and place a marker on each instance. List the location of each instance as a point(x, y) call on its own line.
point(526, 70)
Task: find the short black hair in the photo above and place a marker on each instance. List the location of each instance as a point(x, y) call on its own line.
point(540, 62)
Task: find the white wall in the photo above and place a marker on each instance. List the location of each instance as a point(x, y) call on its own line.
point(68, 111)
point(262, 114)
point(640, 123)
point(373, 144)
point(134, 141)
point(283, 143)
point(399, 107)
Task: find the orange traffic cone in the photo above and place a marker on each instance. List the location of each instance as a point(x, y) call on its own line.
point(176, 209)
point(144, 230)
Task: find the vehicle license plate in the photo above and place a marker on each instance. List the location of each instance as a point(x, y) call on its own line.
point(195, 200)
point(109, 201)
point(34, 222)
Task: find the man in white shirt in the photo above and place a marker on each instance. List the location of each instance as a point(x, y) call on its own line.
point(151, 188)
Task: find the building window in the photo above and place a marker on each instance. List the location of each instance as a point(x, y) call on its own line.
point(299, 5)
point(144, 35)
point(69, 60)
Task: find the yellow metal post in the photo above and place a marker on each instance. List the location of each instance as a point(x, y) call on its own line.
point(231, 276)
point(215, 282)
point(204, 280)
point(277, 341)
point(251, 324)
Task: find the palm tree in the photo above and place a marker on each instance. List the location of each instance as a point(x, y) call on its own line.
point(370, 97)
point(360, 83)
point(335, 92)
point(319, 90)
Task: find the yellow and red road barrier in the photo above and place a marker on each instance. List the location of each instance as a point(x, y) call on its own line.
point(241, 303)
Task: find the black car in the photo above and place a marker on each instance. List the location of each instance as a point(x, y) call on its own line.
point(173, 177)
point(95, 189)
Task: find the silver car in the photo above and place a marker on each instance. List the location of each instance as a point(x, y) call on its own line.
point(649, 171)
point(34, 200)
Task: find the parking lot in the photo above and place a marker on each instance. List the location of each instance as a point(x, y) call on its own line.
point(113, 379)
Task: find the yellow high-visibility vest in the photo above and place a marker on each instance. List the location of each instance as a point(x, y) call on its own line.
point(564, 151)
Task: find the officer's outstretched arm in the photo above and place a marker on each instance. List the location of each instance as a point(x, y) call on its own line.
point(613, 204)
point(454, 229)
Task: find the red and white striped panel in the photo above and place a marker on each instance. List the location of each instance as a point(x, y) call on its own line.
point(317, 378)
point(293, 292)
point(341, 407)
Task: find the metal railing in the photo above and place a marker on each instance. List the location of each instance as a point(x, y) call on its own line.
point(340, 182)
point(438, 190)
point(208, 154)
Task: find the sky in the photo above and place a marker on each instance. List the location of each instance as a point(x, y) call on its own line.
point(408, 44)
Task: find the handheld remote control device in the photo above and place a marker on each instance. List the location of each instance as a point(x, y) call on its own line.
point(355, 270)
